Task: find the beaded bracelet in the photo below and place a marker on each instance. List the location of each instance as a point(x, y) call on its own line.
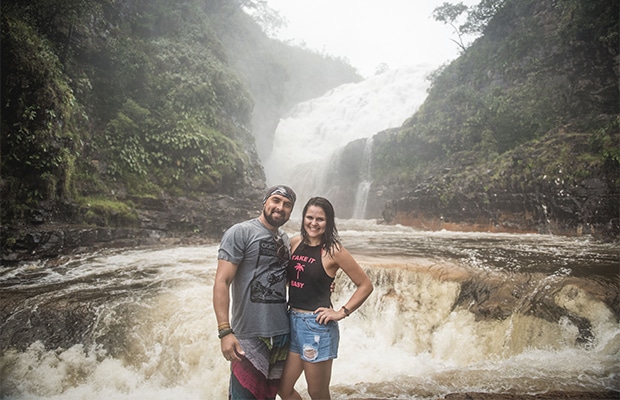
point(223, 332)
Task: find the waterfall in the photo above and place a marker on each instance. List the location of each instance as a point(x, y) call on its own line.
point(310, 138)
point(361, 197)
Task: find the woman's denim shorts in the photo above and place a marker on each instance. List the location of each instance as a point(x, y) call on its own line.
point(312, 341)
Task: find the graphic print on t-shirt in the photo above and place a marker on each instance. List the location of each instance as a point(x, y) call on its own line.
point(269, 285)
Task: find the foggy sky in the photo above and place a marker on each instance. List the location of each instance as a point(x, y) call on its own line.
point(369, 33)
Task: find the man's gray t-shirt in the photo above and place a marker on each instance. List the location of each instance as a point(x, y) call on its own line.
point(259, 288)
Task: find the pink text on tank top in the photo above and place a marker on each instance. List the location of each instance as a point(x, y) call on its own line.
point(300, 268)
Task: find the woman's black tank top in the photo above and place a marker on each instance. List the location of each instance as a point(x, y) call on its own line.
point(309, 284)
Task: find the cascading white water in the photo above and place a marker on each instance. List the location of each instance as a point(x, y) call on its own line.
point(140, 324)
point(361, 197)
point(308, 140)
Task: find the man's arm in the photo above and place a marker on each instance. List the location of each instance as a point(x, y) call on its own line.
point(221, 303)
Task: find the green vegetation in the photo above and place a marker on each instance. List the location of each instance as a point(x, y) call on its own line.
point(540, 68)
point(107, 100)
point(40, 117)
point(107, 212)
point(141, 94)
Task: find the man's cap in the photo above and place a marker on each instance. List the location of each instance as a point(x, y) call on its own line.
point(282, 190)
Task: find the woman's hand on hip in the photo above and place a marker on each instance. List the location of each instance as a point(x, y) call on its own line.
point(324, 315)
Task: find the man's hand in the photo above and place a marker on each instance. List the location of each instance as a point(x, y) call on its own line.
point(231, 348)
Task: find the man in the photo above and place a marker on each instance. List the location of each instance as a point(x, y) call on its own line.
point(252, 258)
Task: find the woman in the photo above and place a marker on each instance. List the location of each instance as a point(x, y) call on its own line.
point(317, 254)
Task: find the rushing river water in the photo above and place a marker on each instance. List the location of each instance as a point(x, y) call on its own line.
point(451, 312)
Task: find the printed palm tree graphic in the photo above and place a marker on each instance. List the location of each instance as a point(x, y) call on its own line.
point(299, 269)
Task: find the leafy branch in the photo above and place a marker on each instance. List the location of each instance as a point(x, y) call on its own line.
point(448, 14)
point(476, 18)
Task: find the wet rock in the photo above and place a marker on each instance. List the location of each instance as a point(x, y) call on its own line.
point(159, 221)
point(588, 208)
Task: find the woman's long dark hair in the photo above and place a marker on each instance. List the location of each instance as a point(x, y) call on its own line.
point(331, 239)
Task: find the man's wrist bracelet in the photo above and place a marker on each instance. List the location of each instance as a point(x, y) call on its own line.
point(346, 311)
point(223, 332)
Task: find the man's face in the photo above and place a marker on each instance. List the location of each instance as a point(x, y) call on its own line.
point(277, 210)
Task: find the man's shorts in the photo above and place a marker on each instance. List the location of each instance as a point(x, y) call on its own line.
point(312, 341)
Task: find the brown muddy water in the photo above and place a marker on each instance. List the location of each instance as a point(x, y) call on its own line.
point(451, 312)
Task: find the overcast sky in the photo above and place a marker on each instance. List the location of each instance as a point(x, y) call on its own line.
point(370, 32)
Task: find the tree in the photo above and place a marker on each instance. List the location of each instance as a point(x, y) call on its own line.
point(448, 14)
point(476, 18)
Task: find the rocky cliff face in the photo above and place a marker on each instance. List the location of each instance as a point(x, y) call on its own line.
point(531, 189)
point(158, 221)
point(588, 208)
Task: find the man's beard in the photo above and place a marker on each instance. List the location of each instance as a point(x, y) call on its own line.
point(271, 221)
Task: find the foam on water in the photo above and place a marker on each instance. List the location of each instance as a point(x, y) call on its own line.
point(151, 332)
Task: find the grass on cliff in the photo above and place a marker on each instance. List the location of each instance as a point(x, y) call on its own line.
point(100, 211)
point(561, 160)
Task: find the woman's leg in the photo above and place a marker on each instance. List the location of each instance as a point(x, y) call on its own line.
point(292, 370)
point(318, 376)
